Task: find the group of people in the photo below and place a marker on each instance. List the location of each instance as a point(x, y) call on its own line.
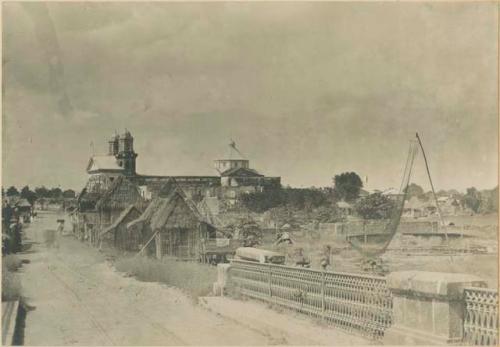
point(303, 261)
point(300, 259)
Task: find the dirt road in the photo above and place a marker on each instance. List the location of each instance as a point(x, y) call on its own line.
point(79, 299)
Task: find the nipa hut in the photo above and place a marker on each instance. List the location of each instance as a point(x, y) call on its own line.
point(119, 196)
point(414, 208)
point(99, 209)
point(86, 217)
point(118, 236)
point(141, 226)
point(174, 227)
point(25, 210)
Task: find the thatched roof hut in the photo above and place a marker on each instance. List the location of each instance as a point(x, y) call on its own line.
point(163, 194)
point(145, 217)
point(167, 205)
point(117, 234)
point(99, 205)
point(142, 224)
point(173, 226)
point(120, 195)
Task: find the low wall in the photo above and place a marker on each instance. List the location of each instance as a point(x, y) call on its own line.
point(356, 303)
point(341, 231)
point(429, 308)
point(404, 308)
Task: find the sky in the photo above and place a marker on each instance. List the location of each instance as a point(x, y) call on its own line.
point(307, 90)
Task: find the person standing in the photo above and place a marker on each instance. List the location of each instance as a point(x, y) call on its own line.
point(325, 259)
point(60, 227)
point(15, 235)
point(284, 238)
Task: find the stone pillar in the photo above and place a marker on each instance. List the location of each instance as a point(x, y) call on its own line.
point(428, 307)
point(222, 279)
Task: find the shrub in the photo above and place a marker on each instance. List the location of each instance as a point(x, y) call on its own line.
point(193, 278)
point(375, 206)
point(292, 198)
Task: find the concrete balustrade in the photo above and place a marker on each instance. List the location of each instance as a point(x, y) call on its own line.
point(428, 307)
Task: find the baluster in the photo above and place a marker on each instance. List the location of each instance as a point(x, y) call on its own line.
point(269, 281)
point(323, 282)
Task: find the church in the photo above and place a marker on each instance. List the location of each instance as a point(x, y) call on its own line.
point(235, 177)
point(114, 187)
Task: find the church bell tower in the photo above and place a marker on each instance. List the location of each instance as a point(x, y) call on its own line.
point(125, 154)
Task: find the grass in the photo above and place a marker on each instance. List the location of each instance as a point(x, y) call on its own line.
point(193, 278)
point(11, 284)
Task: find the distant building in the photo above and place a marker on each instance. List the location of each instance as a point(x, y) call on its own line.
point(416, 208)
point(345, 208)
point(25, 210)
point(234, 160)
point(237, 178)
point(392, 193)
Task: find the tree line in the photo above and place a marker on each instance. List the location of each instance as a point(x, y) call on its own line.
point(39, 193)
point(347, 187)
point(484, 201)
point(321, 202)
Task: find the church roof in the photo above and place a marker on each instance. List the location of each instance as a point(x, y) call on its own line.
point(233, 153)
point(103, 162)
point(240, 172)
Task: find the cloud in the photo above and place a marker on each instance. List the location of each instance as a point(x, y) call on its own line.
point(306, 88)
point(49, 44)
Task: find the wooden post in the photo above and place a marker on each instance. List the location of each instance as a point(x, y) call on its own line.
point(158, 245)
